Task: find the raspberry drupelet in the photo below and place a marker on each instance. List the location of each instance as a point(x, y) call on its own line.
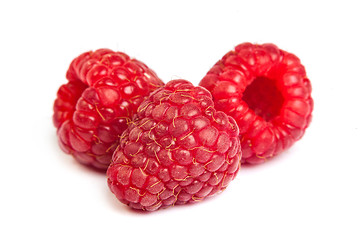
point(267, 92)
point(104, 90)
point(177, 150)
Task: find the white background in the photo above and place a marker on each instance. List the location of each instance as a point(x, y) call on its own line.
point(309, 192)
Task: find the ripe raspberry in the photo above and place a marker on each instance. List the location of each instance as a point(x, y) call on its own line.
point(179, 149)
point(267, 92)
point(105, 88)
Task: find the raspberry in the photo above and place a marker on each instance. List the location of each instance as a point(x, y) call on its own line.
point(267, 92)
point(177, 150)
point(105, 88)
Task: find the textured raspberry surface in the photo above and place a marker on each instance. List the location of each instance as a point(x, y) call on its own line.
point(104, 89)
point(178, 149)
point(267, 92)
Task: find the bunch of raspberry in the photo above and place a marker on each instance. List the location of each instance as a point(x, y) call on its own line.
point(177, 150)
point(104, 90)
point(178, 143)
point(267, 92)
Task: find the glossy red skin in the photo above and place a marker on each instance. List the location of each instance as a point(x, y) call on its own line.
point(178, 150)
point(92, 110)
point(267, 92)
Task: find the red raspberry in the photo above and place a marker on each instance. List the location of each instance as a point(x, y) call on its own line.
point(105, 88)
point(179, 149)
point(267, 92)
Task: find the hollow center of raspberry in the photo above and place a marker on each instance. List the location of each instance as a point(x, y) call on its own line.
point(264, 98)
